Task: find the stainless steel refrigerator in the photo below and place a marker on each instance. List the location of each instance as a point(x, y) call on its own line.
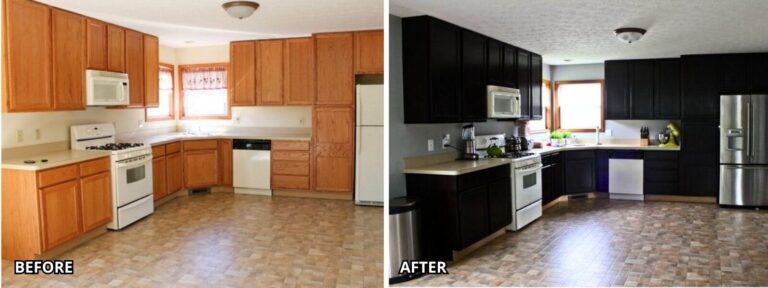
point(744, 150)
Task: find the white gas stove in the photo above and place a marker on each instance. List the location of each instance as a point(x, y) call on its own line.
point(131, 172)
point(526, 180)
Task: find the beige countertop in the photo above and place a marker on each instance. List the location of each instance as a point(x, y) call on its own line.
point(459, 167)
point(176, 136)
point(55, 159)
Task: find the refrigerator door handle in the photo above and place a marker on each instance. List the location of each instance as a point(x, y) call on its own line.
point(751, 129)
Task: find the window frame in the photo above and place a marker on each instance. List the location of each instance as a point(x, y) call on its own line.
point(172, 115)
point(547, 118)
point(556, 104)
point(182, 114)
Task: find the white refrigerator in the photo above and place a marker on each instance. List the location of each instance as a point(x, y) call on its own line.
point(369, 145)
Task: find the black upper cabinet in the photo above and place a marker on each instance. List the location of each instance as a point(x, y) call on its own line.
point(758, 72)
point(473, 91)
point(536, 82)
point(616, 89)
point(641, 89)
point(732, 73)
point(666, 99)
point(524, 82)
point(509, 66)
point(495, 65)
point(431, 70)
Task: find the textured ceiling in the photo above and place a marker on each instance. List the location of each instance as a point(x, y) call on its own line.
point(206, 23)
point(583, 30)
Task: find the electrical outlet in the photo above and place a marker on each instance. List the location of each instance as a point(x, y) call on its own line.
point(446, 140)
point(38, 135)
point(19, 135)
point(431, 145)
point(301, 121)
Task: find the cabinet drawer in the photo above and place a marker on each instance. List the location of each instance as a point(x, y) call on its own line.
point(290, 145)
point(56, 175)
point(660, 175)
point(158, 151)
point(580, 154)
point(660, 164)
point(482, 177)
point(290, 167)
point(94, 166)
point(290, 182)
point(290, 155)
point(172, 147)
point(200, 145)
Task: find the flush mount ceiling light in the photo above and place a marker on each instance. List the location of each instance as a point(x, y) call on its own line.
point(629, 35)
point(240, 9)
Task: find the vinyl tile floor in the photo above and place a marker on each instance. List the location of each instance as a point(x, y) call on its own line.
point(227, 240)
point(602, 242)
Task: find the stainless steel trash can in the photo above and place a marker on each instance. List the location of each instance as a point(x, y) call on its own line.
point(404, 241)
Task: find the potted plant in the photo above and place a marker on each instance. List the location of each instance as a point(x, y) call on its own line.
point(560, 138)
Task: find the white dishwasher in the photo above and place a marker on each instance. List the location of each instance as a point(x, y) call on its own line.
point(625, 175)
point(251, 166)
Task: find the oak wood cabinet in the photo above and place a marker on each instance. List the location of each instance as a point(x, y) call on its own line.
point(151, 71)
point(335, 72)
point(68, 55)
point(45, 209)
point(27, 56)
point(159, 188)
point(134, 66)
point(167, 170)
point(115, 48)
point(299, 71)
point(269, 75)
point(225, 162)
point(369, 52)
point(200, 161)
point(96, 40)
point(242, 58)
point(290, 161)
point(333, 148)
point(174, 173)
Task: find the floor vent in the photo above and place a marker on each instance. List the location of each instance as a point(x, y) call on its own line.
point(202, 191)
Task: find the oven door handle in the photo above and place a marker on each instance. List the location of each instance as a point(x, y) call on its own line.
point(537, 168)
point(134, 164)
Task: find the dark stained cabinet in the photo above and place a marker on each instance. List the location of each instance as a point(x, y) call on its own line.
point(699, 158)
point(473, 88)
point(579, 171)
point(524, 82)
point(660, 173)
point(431, 70)
point(536, 82)
point(758, 72)
point(458, 211)
point(641, 89)
point(509, 66)
point(616, 90)
point(495, 64)
point(666, 101)
point(699, 87)
point(551, 177)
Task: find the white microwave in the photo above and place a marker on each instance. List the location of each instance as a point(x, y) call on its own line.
point(103, 88)
point(503, 102)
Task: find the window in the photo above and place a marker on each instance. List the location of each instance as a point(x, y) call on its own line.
point(579, 105)
point(204, 91)
point(543, 125)
point(164, 111)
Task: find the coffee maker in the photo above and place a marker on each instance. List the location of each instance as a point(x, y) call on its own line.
point(470, 146)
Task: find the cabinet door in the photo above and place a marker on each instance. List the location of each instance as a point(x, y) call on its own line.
point(333, 153)
point(28, 54)
point(173, 173)
point(444, 70)
point(200, 169)
point(732, 72)
point(616, 90)
point(758, 72)
point(115, 48)
point(524, 82)
point(499, 204)
point(509, 66)
point(369, 52)
point(666, 99)
point(242, 58)
point(68, 60)
point(699, 171)
point(60, 213)
point(269, 75)
point(579, 172)
point(495, 64)
point(700, 95)
point(159, 187)
point(299, 74)
point(660, 173)
point(473, 83)
point(536, 82)
point(151, 71)
point(96, 200)
point(473, 218)
point(134, 66)
point(225, 162)
point(641, 89)
point(97, 44)
point(335, 71)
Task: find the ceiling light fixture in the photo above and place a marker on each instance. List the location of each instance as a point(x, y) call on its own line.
point(629, 35)
point(240, 9)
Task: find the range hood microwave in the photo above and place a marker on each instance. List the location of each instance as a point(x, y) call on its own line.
point(103, 88)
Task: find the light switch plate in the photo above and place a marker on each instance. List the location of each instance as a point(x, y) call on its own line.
point(431, 145)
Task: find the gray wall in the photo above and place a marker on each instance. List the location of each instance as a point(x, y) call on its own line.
point(411, 139)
